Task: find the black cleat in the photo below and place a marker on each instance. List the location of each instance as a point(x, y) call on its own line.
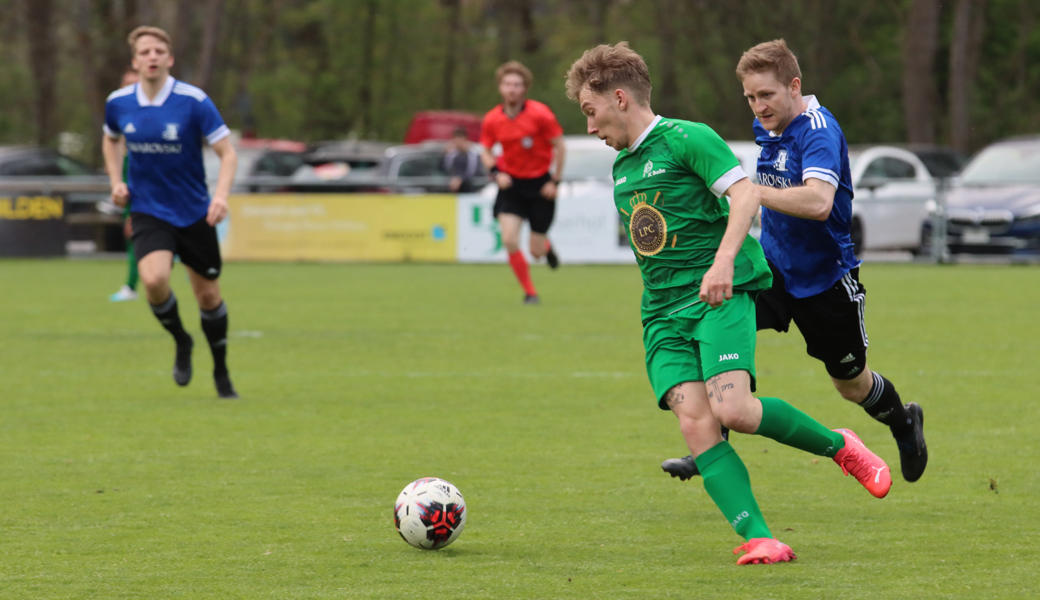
point(684, 468)
point(913, 452)
point(553, 260)
point(225, 390)
point(532, 299)
point(182, 363)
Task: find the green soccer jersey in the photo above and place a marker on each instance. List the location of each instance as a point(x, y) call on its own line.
point(669, 191)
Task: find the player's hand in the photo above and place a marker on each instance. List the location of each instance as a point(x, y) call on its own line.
point(120, 194)
point(503, 180)
point(717, 285)
point(218, 209)
point(549, 190)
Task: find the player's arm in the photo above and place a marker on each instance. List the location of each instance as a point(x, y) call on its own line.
point(218, 206)
point(810, 201)
point(112, 149)
point(559, 157)
point(717, 284)
point(487, 140)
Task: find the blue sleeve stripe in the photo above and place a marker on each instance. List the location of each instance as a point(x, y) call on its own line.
point(816, 119)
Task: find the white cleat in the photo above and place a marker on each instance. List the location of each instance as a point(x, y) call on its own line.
point(124, 294)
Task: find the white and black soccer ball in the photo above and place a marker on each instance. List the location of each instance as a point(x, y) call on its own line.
point(430, 513)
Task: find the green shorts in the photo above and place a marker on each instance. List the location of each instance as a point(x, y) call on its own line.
point(698, 342)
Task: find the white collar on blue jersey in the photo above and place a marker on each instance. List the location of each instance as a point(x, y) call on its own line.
point(811, 103)
point(161, 97)
point(646, 132)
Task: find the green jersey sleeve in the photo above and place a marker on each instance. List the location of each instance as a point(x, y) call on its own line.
point(702, 151)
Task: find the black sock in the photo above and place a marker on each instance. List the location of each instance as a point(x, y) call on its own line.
point(170, 318)
point(215, 326)
point(883, 404)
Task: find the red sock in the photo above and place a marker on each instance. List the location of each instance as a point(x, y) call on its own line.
point(523, 274)
point(548, 246)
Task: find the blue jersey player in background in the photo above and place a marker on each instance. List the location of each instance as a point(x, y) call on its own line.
point(165, 123)
point(806, 189)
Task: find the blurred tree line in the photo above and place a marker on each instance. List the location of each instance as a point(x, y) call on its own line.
point(960, 72)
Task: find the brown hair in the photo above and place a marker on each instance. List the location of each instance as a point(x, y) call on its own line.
point(773, 57)
point(517, 68)
point(144, 30)
point(606, 68)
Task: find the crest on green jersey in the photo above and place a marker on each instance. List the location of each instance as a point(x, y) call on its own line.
point(648, 229)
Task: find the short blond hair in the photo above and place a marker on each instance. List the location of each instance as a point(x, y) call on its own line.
point(606, 68)
point(144, 30)
point(517, 68)
point(770, 57)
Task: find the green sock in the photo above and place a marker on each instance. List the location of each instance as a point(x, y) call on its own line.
point(131, 279)
point(788, 425)
point(727, 482)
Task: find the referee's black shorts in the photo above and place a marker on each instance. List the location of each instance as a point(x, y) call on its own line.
point(524, 199)
point(832, 322)
point(196, 244)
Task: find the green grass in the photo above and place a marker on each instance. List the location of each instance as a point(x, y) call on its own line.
point(356, 380)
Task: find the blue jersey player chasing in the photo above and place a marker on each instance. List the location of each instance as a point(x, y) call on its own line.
point(165, 123)
point(806, 189)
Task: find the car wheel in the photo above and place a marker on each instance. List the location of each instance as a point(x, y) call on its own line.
point(856, 233)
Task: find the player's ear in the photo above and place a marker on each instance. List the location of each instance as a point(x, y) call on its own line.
point(620, 99)
point(795, 86)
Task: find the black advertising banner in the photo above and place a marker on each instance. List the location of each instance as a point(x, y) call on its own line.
point(32, 226)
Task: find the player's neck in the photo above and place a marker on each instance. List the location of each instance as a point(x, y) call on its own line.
point(638, 122)
point(798, 108)
point(512, 109)
point(152, 88)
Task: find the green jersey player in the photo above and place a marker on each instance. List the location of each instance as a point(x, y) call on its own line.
point(701, 272)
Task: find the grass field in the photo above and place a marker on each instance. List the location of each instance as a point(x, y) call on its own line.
point(355, 380)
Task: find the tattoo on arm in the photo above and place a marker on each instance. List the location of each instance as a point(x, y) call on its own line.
point(673, 397)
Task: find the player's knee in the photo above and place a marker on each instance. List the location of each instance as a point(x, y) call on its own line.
point(208, 299)
point(735, 413)
point(153, 280)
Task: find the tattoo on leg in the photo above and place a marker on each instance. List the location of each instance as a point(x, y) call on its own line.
point(715, 389)
point(673, 397)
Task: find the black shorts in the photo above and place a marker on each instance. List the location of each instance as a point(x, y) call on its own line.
point(196, 244)
point(524, 199)
point(831, 322)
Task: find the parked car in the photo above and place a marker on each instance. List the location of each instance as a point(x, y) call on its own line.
point(257, 158)
point(893, 195)
point(994, 206)
point(942, 162)
point(32, 161)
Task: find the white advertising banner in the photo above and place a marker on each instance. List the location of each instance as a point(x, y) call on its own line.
point(586, 229)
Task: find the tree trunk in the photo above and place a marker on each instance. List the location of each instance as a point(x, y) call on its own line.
point(454, 19)
point(666, 98)
point(964, 52)
point(367, 53)
point(43, 60)
point(210, 37)
point(921, 41)
point(531, 43)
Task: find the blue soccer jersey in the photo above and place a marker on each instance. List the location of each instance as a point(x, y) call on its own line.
point(811, 255)
point(164, 139)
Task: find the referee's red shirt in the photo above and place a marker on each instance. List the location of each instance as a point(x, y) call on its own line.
point(526, 139)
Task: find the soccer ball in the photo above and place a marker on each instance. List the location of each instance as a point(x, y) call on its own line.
point(430, 513)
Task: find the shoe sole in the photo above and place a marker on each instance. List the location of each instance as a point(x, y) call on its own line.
point(917, 412)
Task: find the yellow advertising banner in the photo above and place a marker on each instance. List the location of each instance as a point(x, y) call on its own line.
point(341, 227)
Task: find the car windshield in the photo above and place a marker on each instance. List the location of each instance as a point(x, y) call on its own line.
point(1012, 162)
point(589, 163)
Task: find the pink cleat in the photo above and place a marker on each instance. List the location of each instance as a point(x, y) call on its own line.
point(864, 465)
point(764, 551)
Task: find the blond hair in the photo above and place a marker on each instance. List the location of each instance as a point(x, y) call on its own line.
point(770, 57)
point(515, 68)
point(606, 68)
point(144, 30)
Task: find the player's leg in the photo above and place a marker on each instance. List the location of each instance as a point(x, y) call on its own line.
point(509, 225)
point(129, 290)
point(727, 337)
point(832, 323)
point(542, 212)
point(155, 244)
point(200, 253)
